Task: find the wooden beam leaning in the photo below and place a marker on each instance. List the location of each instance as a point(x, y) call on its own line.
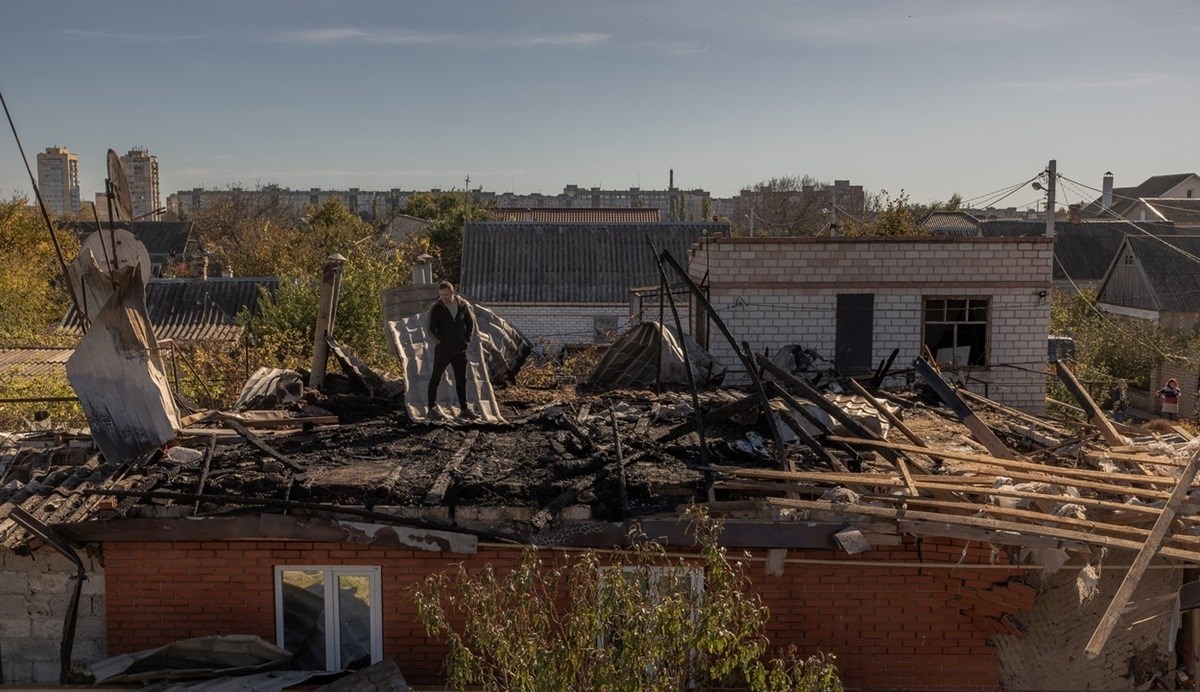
point(735, 408)
point(1146, 553)
point(811, 442)
point(979, 430)
point(1094, 413)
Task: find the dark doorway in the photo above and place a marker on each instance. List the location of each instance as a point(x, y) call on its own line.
point(855, 317)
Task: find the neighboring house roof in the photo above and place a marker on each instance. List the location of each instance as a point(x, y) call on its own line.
point(1170, 277)
point(198, 309)
point(577, 215)
point(1181, 211)
point(161, 238)
point(31, 361)
point(569, 263)
point(402, 225)
point(1126, 198)
point(951, 223)
point(1082, 251)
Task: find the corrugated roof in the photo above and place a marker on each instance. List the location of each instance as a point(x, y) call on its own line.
point(160, 237)
point(569, 263)
point(50, 485)
point(1125, 198)
point(31, 361)
point(951, 223)
point(577, 215)
point(198, 309)
point(1174, 277)
point(1082, 251)
point(1182, 211)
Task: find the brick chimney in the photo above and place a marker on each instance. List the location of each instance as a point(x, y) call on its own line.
point(1073, 215)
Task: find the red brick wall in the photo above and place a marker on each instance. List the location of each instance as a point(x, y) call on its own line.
point(891, 627)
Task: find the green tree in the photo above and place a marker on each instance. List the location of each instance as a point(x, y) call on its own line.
point(632, 620)
point(895, 217)
point(450, 212)
point(35, 296)
point(1108, 347)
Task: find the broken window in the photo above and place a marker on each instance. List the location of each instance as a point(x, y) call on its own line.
point(329, 618)
point(956, 330)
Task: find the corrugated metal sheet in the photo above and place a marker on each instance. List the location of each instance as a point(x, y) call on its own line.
point(51, 489)
point(1182, 211)
point(569, 263)
point(198, 309)
point(32, 361)
point(577, 215)
point(953, 223)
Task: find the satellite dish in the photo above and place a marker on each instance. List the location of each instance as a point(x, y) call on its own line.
point(128, 250)
point(118, 187)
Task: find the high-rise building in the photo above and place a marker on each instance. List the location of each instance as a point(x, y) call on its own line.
point(141, 169)
point(58, 180)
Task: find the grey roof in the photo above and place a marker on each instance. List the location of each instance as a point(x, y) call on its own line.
point(954, 223)
point(1082, 251)
point(1125, 198)
point(1174, 277)
point(198, 309)
point(161, 238)
point(569, 263)
point(1182, 211)
point(30, 361)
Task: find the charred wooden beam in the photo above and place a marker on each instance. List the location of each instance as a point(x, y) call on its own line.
point(979, 430)
point(809, 441)
point(622, 484)
point(442, 483)
point(725, 412)
point(566, 497)
point(884, 367)
point(262, 446)
point(205, 466)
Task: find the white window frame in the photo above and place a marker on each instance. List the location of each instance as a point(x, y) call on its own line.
point(333, 633)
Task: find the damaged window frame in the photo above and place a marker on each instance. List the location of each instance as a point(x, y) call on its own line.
point(331, 575)
point(979, 355)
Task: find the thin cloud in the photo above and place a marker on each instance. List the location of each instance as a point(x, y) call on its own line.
point(1142, 79)
point(136, 38)
point(402, 37)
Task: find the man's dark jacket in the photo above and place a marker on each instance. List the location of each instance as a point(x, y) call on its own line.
point(451, 331)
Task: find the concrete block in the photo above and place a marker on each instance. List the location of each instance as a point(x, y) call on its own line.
point(55, 562)
point(91, 628)
point(48, 582)
point(14, 583)
point(14, 605)
point(15, 627)
point(88, 651)
point(45, 671)
point(47, 627)
point(94, 584)
point(18, 563)
point(43, 605)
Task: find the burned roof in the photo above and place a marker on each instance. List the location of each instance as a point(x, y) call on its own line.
point(198, 309)
point(569, 263)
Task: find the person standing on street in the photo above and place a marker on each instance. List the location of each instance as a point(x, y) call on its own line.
point(451, 324)
point(1170, 398)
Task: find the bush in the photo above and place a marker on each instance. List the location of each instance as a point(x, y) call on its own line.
point(630, 620)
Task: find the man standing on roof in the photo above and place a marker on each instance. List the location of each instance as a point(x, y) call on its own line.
point(451, 324)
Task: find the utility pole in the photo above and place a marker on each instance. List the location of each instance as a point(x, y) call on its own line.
point(1052, 170)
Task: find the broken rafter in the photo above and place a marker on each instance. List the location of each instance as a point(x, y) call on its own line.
point(262, 446)
point(808, 440)
point(1017, 528)
point(1094, 413)
point(979, 430)
point(1146, 552)
point(743, 405)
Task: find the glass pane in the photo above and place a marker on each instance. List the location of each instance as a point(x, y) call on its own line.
point(956, 310)
point(354, 620)
point(935, 310)
point(304, 618)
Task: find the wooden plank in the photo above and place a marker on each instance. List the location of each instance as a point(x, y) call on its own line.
point(887, 413)
point(1010, 411)
point(442, 483)
point(1148, 550)
point(720, 413)
point(262, 446)
point(808, 440)
point(622, 483)
point(980, 522)
point(1094, 413)
point(979, 430)
point(1097, 457)
point(1055, 472)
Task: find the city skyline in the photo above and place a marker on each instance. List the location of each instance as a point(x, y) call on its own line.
point(932, 96)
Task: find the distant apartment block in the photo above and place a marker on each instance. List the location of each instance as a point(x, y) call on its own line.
point(141, 169)
point(58, 180)
point(369, 204)
point(672, 204)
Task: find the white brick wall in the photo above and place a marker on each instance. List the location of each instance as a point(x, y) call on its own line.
point(34, 592)
point(777, 292)
point(549, 327)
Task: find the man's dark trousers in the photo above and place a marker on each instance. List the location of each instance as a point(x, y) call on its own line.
point(457, 361)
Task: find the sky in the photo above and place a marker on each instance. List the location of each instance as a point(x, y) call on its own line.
point(929, 96)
